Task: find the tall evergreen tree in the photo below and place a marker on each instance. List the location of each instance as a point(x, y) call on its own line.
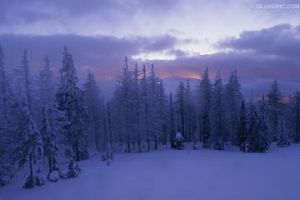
point(257, 138)
point(233, 99)
point(205, 92)
point(70, 102)
point(156, 103)
point(145, 107)
point(162, 113)
point(32, 148)
point(274, 110)
point(294, 116)
point(52, 120)
point(46, 84)
point(180, 108)
point(243, 130)
point(27, 138)
point(94, 106)
point(7, 124)
point(171, 120)
point(50, 146)
point(190, 115)
point(136, 90)
point(218, 123)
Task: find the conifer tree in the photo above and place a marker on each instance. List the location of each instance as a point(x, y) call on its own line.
point(243, 130)
point(274, 110)
point(32, 148)
point(205, 92)
point(70, 101)
point(233, 99)
point(257, 135)
point(94, 106)
point(50, 147)
point(218, 123)
point(294, 117)
point(7, 124)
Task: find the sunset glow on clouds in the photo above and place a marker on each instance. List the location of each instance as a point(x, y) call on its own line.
point(180, 37)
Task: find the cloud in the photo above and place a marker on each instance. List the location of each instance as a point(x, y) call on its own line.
point(104, 54)
point(259, 56)
point(250, 66)
point(74, 16)
point(281, 40)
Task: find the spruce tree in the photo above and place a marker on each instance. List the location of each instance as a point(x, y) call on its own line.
point(7, 124)
point(218, 118)
point(257, 134)
point(205, 92)
point(70, 101)
point(274, 110)
point(171, 121)
point(283, 138)
point(50, 147)
point(32, 148)
point(181, 109)
point(233, 99)
point(294, 117)
point(243, 130)
point(94, 106)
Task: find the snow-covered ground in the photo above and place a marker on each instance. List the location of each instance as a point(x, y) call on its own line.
point(177, 175)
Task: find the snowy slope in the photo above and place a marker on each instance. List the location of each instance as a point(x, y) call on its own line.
point(177, 175)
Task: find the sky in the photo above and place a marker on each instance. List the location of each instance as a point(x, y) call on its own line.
point(258, 38)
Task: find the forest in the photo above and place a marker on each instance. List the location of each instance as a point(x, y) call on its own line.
point(47, 122)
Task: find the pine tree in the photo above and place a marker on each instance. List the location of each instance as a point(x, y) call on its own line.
point(126, 106)
point(205, 92)
point(93, 103)
point(46, 86)
point(32, 148)
point(233, 99)
point(108, 152)
point(243, 131)
point(137, 108)
point(283, 139)
point(52, 120)
point(274, 110)
point(218, 123)
point(7, 124)
point(156, 103)
point(145, 107)
point(26, 88)
point(27, 139)
point(171, 121)
point(70, 101)
point(257, 138)
point(50, 147)
point(294, 117)
point(190, 120)
point(162, 113)
point(180, 108)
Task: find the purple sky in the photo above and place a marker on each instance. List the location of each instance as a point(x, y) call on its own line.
point(180, 37)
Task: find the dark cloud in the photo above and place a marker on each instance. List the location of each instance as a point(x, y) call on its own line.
point(250, 66)
point(256, 72)
point(282, 40)
point(104, 54)
point(14, 12)
point(259, 56)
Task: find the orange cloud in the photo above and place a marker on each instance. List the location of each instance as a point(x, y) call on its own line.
point(179, 73)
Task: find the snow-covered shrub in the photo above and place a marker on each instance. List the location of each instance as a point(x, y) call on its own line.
point(178, 141)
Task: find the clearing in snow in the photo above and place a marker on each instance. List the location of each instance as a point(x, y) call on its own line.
point(177, 175)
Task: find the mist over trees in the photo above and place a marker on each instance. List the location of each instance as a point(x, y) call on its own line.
point(47, 121)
